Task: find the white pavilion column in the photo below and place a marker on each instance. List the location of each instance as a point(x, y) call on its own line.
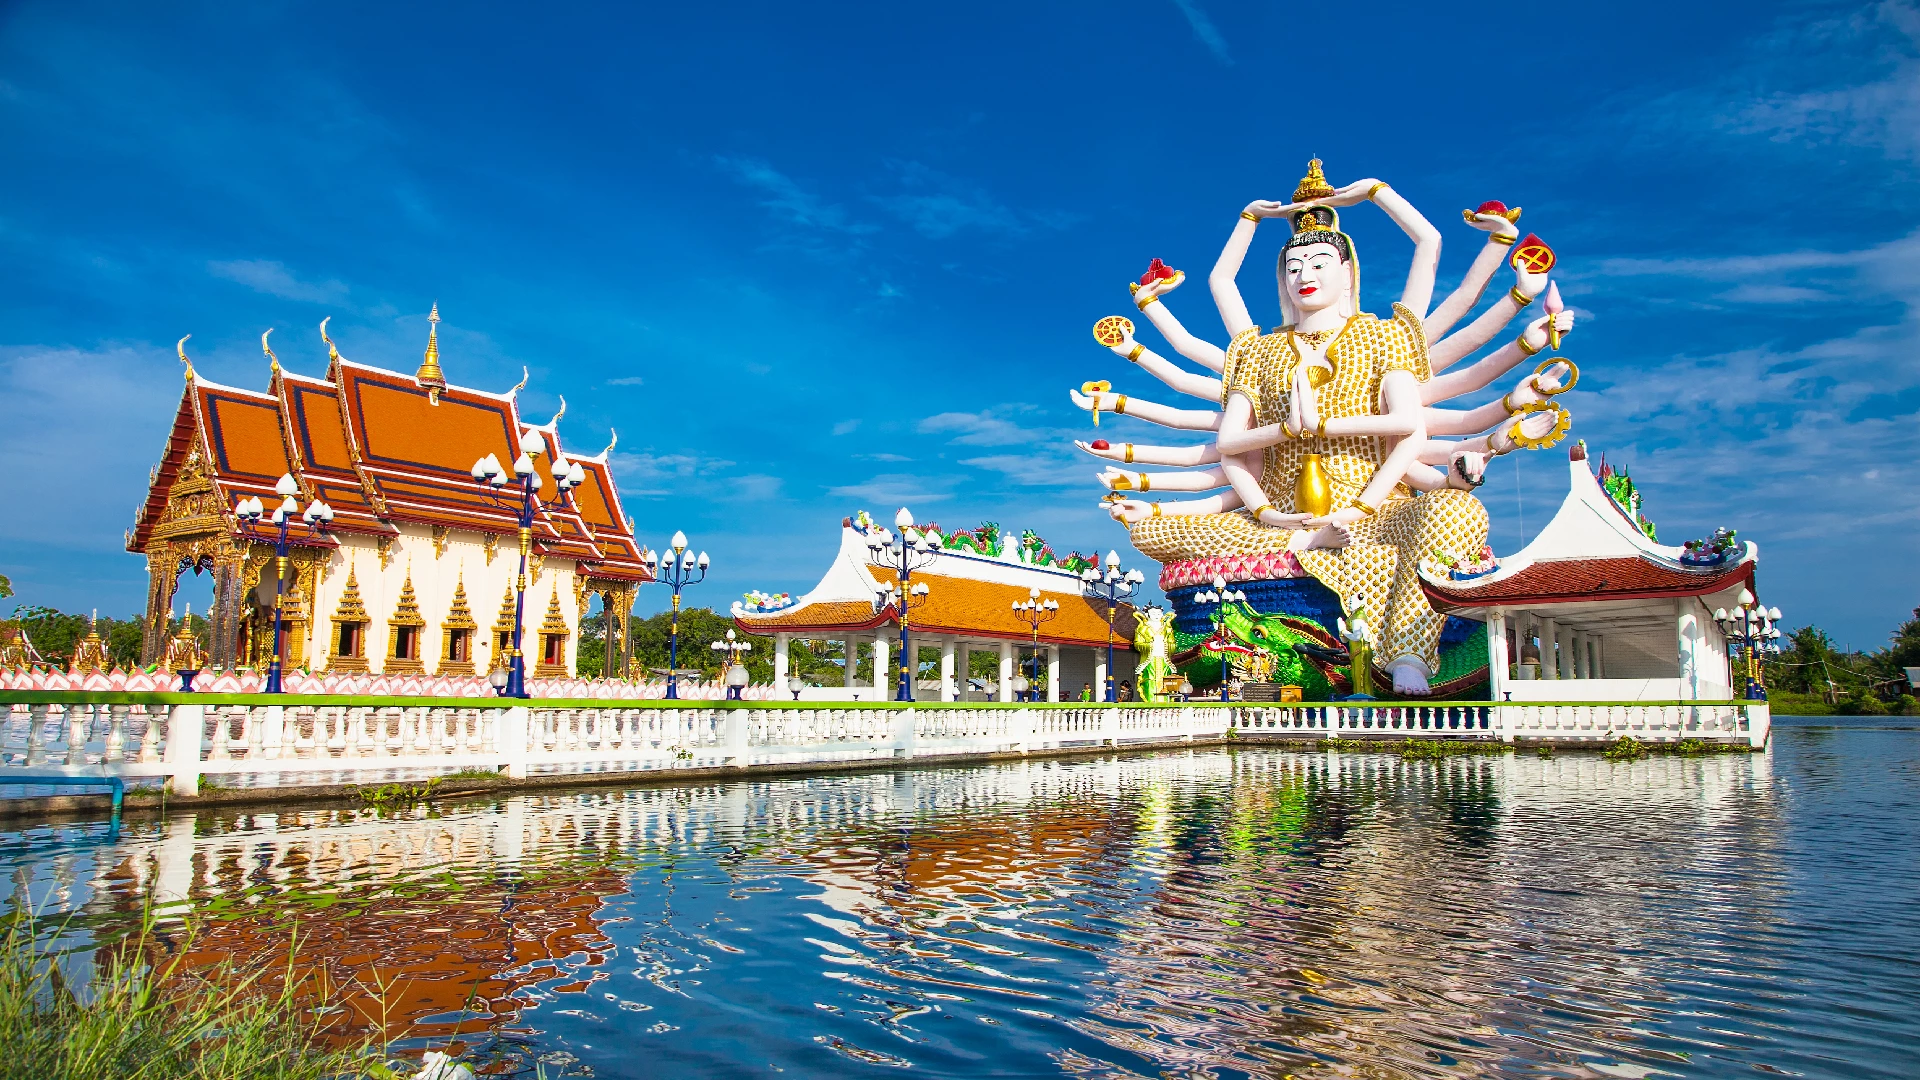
point(1006, 671)
point(852, 653)
point(1576, 663)
point(949, 689)
point(1100, 675)
point(1549, 649)
point(1053, 673)
point(780, 645)
point(880, 645)
point(1599, 657)
point(1497, 661)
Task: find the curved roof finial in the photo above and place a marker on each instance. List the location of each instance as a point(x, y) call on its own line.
point(333, 351)
point(615, 441)
point(521, 385)
point(268, 349)
point(181, 348)
point(555, 422)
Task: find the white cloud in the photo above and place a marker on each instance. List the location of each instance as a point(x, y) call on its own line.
point(1882, 113)
point(1203, 29)
point(893, 489)
point(974, 429)
point(785, 197)
point(274, 279)
point(845, 427)
point(629, 380)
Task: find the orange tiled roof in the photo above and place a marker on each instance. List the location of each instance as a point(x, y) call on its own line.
point(375, 446)
point(980, 609)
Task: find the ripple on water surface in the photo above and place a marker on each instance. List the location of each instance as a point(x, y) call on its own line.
point(1249, 913)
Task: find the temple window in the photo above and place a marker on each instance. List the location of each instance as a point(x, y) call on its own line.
point(404, 628)
point(456, 647)
point(554, 633)
point(406, 643)
point(350, 619)
point(460, 646)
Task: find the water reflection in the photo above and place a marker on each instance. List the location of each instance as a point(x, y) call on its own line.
point(1256, 913)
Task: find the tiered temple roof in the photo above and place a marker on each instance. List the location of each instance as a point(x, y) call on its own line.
point(382, 449)
point(1590, 553)
point(970, 595)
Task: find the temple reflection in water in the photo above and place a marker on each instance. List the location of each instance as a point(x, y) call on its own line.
point(1250, 910)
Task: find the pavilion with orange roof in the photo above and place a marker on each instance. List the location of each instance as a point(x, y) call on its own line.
point(413, 577)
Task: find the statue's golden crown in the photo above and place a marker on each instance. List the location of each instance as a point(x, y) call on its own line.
point(1313, 185)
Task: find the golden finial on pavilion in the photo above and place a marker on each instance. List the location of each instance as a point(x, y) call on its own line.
point(555, 422)
point(1313, 185)
point(430, 375)
point(611, 443)
point(268, 349)
point(521, 385)
point(181, 348)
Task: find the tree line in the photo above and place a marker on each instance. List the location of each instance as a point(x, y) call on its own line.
point(1812, 666)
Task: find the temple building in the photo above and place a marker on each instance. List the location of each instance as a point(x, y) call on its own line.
point(416, 575)
point(1594, 609)
point(972, 584)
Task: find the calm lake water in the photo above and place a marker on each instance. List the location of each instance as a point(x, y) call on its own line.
point(1213, 914)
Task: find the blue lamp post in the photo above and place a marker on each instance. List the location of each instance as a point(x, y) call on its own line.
point(317, 516)
point(525, 502)
point(903, 554)
point(1033, 611)
point(1110, 586)
point(678, 570)
point(1752, 630)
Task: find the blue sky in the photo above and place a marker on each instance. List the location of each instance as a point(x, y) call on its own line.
point(813, 259)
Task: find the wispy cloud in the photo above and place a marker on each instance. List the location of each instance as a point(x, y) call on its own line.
point(1881, 112)
point(274, 279)
point(1204, 30)
point(975, 429)
point(846, 427)
point(894, 489)
point(784, 196)
point(628, 380)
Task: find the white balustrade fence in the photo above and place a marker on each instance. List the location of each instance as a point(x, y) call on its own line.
point(241, 740)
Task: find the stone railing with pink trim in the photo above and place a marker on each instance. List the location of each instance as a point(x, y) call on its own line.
point(137, 680)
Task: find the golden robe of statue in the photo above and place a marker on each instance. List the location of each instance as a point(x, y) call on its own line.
point(1379, 569)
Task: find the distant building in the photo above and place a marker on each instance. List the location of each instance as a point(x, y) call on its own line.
point(972, 586)
point(1593, 609)
point(417, 574)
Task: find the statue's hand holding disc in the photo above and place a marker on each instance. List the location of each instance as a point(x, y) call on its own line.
point(1113, 330)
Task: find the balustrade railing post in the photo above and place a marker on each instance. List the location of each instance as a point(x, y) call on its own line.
point(1759, 722)
point(1503, 722)
point(150, 738)
point(186, 726)
point(510, 737)
point(901, 737)
point(275, 723)
point(733, 735)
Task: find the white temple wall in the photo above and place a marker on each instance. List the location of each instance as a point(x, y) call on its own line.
point(435, 577)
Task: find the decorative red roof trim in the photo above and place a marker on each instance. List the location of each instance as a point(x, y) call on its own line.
point(1566, 581)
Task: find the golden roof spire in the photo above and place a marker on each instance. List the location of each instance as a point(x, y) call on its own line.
point(430, 375)
point(181, 348)
point(1313, 185)
point(268, 349)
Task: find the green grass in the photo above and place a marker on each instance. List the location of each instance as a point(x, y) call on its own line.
point(474, 773)
point(1416, 749)
point(1628, 748)
point(140, 1021)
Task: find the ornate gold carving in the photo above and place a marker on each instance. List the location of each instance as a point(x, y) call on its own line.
point(502, 631)
point(459, 620)
point(490, 543)
point(183, 652)
point(194, 507)
point(554, 626)
point(383, 546)
point(351, 612)
point(90, 656)
point(442, 539)
point(430, 375)
point(1313, 185)
point(535, 562)
point(406, 616)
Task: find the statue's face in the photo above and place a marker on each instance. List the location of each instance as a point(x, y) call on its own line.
point(1314, 277)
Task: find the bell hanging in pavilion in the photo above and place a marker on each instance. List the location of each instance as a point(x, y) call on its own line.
point(1313, 492)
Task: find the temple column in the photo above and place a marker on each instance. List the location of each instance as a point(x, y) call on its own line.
point(1599, 658)
point(223, 623)
point(780, 645)
point(163, 577)
point(1686, 628)
point(1099, 674)
point(1549, 649)
point(1053, 673)
point(1497, 656)
point(1006, 671)
point(880, 644)
point(949, 691)
point(852, 654)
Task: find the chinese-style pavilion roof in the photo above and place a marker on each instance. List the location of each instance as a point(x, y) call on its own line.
point(382, 449)
point(1589, 554)
point(968, 595)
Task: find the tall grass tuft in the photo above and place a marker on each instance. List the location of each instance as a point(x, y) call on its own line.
point(141, 1020)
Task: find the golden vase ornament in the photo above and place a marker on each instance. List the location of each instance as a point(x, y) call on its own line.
point(1313, 492)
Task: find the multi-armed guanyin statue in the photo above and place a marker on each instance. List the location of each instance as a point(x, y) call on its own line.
point(1327, 441)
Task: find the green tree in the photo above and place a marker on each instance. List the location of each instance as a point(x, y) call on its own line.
point(6, 587)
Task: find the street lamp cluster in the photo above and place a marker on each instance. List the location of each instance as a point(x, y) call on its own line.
point(1033, 611)
point(1110, 586)
point(1221, 596)
point(736, 672)
point(903, 553)
point(679, 569)
point(317, 517)
point(525, 502)
point(1754, 631)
